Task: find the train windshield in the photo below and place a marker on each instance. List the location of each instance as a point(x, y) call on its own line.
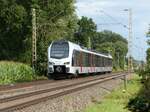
point(59, 50)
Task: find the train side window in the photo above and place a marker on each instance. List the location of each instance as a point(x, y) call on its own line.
point(75, 58)
point(99, 61)
point(94, 60)
point(86, 60)
point(106, 60)
point(83, 59)
point(109, 61)
point(78, 58)
point(91, 60)
point(103, 62)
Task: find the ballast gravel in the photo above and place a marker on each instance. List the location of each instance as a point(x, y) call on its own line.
point(77, 101)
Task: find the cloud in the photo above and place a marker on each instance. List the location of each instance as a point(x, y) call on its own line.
point(90, 7)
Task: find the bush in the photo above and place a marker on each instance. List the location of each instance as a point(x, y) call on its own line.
point(12, 72)
point(139, 104)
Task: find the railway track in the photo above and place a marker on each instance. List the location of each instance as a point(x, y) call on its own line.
point(7, 90)
point(23, 85)
point(13, 87)
point(20, 101)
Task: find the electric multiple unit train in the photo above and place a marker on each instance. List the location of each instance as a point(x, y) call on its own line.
point(66, 58)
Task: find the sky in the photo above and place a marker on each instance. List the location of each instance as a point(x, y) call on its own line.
point(108, 13)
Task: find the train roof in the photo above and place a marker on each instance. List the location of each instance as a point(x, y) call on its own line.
point(84, 49)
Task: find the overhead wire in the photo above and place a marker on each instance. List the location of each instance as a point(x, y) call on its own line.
point(114, 19)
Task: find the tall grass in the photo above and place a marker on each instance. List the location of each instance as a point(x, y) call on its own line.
point(117, 101)
point(13, 72)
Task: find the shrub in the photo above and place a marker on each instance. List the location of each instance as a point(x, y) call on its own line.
point(12, 72)
point(139, 104)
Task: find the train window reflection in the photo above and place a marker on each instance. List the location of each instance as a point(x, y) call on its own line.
point(59, 50)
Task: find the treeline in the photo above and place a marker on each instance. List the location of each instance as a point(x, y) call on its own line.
point(55, 19)
point(105, 41)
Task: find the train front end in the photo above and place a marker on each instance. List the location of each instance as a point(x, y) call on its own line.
point(59, 60)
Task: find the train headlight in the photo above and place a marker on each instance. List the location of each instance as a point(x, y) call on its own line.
point(67, 63)
point(51, 63)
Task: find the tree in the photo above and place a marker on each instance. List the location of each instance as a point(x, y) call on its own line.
point(113, 43)
point(120, 53)
point(87, 29)
point(13, 29)
point(106, 36)
point(55, 20)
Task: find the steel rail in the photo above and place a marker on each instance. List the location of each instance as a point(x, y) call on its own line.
point(30, 85)
point(63, 90)
point(32, 93)
point(3, 100)
point(11, 87)
point(5, 88)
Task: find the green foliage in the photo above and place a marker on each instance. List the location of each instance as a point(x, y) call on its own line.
point(106, 36)
point(148, 56)
point(145, 70)
point(117, 100)
point(87, 29)
point(141, 103)
point(113, 43)
point(55, 20)
point(120, 53)
point(13, 29)
point(12, 72)
point(105, 47)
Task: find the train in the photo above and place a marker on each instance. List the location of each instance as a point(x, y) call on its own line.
point(68, 59)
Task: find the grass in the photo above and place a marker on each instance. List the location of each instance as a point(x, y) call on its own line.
point(118, 99)
point(14, 72)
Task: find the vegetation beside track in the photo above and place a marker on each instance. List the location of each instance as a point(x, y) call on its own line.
point(54, 21)
point(13, 72)
point(118, 100)
point(141, 103)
